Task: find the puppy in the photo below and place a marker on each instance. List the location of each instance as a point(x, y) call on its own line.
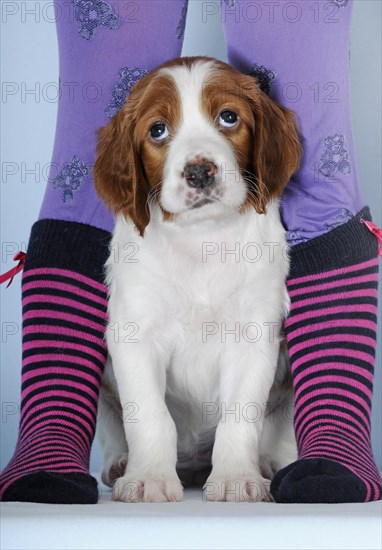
point(193, 166)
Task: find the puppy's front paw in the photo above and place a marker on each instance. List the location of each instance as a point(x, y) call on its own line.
point(159, 488)
point(247, 488)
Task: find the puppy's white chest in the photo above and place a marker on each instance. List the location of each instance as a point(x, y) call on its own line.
point(192, 309)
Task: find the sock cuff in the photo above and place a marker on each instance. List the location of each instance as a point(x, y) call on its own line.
point(349, 244)
point(68, 245)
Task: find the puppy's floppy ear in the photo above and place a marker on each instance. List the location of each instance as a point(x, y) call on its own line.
point(276, 149)
point(118, 174)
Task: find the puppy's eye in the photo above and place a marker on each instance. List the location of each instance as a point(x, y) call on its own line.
point(159, 131)
point(228, 119)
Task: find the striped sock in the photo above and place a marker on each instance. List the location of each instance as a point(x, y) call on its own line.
point(331, 336)
point(64, 315)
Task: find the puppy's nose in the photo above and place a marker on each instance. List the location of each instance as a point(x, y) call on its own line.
point(200, 173)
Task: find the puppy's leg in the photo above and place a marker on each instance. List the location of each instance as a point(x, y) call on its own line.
point(248, 371)
point(278, 446)
point(111, 434)
point(151, 435)
point(278, 443)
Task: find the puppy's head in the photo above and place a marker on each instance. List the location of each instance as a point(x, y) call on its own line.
point(198, 139)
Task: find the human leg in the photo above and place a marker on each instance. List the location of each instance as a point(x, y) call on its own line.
point(299, 52)
point(104, 48)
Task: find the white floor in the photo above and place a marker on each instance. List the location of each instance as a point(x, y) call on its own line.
point(191, 524)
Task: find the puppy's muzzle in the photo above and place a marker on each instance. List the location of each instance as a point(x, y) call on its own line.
point(200, 173)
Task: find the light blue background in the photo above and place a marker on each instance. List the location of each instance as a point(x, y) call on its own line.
point(30, 60)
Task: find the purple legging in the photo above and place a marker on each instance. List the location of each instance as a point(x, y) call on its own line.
point(299, 52)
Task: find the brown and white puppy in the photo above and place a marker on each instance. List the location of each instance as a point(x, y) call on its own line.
point(193, 166)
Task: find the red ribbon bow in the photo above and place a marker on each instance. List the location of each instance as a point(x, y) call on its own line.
point(20, 257)
point(377, 231)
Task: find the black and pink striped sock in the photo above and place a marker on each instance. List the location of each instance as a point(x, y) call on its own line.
point(64, 314)
point(331, 335)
